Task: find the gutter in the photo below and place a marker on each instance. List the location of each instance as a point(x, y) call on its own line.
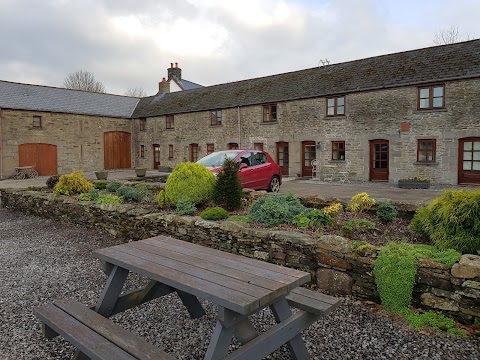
point(1, 144)
point(239, 128)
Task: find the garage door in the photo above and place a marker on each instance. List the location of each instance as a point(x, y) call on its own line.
point(117, 150)
point(42, 156)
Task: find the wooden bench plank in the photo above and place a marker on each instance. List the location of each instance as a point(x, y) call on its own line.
point(94, 335)
point(229, 298)
point(312, 301)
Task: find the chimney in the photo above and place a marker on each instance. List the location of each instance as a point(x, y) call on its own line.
point(174, 72)
point(163, 87)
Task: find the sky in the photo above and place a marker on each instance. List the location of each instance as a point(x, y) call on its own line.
point(130, 43)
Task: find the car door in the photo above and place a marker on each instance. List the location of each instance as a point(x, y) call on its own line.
point(247, 174)
point(263, 170)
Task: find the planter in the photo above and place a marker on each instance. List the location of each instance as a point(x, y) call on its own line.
point(141, 172)
point(101, 175)
point(412, 184)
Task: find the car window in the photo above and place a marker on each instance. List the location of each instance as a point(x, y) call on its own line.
point(260, 158)
point(245, 159)
point(218, 158)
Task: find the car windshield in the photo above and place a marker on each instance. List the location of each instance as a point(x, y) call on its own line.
point(217, 158)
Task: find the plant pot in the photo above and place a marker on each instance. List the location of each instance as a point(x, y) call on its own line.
point(412, 184)
point(101, 175)
point(141, 172)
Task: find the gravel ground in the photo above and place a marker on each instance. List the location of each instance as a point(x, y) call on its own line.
point(43, 260)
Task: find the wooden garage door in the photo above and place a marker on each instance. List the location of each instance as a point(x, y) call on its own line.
point(117, 150)
point(42, 156)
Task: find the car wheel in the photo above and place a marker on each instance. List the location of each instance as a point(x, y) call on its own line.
point(274, 184)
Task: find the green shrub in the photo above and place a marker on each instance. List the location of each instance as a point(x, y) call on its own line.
point(240, 218)
point(109, 199)
point(272, 210)
point(73, 183)
point(214, 213)
point(358, 225)
point(360, 203)
point(312, 218)
point(93, 194)
point(130, 194)
point(431, 319)
point(451, 221)
point(113, 186)
point(190, 181)
point(160, 199)
point(386, 211)
point(185, 207)
point(143, 191)
point(101, 185)
point(228, 190)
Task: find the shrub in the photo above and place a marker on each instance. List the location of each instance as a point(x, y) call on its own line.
point(52, 181)
point(185, 207)
point(386, 211)
point(358, 225)
point(333, 209)
point(451, 221)
point(214, 213)
point(91, 195)
point(109, 199)
point(312, 218)
point(190, 181)
point(360, 203)
point(228, 190)
point(73, 183)
point(101, 185)
point(240, 218)
point(160, 199)
point(432, 319)
point(113, 186)
point(144, 191)
point(129, 194)
point(272, 210)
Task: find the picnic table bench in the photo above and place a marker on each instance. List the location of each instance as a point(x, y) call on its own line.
point(238, 285)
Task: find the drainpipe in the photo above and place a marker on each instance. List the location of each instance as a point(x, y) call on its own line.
point(239, 128)
point(1, 143)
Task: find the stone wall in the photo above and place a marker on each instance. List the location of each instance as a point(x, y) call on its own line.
point(335, 264)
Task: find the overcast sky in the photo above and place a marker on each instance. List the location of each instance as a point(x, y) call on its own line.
point(131, 43)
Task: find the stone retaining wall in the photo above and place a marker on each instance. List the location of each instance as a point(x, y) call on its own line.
point(334, 262)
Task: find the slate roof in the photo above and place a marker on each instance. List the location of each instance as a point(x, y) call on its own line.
point(44, 98)
point(439, 63)
point(187, 85)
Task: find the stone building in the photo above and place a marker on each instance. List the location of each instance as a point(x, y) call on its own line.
point(384, 118)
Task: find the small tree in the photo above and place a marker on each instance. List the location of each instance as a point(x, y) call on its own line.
point(449, 35)
point(228, 188)
point(136, 92)
point(83, 80)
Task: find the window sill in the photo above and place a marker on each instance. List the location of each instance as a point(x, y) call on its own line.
point(216, 126)
point(269, 123)
point(170, 129)
point(336, 161)
point(425, 163)
point(420, 111)
point(333, 117)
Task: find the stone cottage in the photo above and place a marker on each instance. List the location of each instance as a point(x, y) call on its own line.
point(413, 113)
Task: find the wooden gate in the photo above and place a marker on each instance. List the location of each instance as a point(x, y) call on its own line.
point(469, 161)
point(379, 154)
point(308, 155)
point(117, 147)
point(42, 156)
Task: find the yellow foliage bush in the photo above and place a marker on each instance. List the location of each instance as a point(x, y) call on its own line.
point(73, 183)
point(360, 202)
point(333, 209)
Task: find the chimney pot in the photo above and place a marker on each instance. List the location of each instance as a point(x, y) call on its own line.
point(176, 65)
point(171, 65)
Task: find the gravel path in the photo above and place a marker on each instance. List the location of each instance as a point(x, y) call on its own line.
point(43, 260)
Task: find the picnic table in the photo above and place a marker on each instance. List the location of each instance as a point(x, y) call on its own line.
point(238, 285)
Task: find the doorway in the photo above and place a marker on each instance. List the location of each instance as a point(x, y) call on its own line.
point(308, 155)
point(282, 157)
point(469, 161)
point(379, 154)
point(156, 156)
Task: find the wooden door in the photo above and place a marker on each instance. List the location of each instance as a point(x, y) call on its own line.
point(42, 156)
point(156, 156)
point(282, 157)
point(117, 147)
point(232, 146)
point(379, 154)
point(469, 161)
point(308, 155)
point(193, 152)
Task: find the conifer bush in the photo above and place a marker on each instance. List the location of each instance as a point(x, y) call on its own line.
point(185, 207)
point(386, 211)
point(451, 221)
point(190, 181)
point(214, 213)
point(73, 183)
point(228, 189)
point(113, 186)
point(273, 210)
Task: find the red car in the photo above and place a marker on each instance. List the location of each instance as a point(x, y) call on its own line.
point(257, 169)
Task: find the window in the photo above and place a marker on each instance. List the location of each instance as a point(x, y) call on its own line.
point(258, 146)
point(193, 152)
point(143, 124)
point(170, 151)
point(37, 122)
point(169, 122)
point(336, 106)
point(232, 146)
point(270, 113)
point(260, 158)
point(338, 150)
point(216, 117)
point(210, 148)
point(431, 97)
point(426, 150)
point(142, 151)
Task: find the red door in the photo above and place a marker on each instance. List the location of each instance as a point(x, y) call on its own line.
point(193, 152)
point(308, 155)
point(156, 156)
point(117, 150)
point(282, 157)
point(42, 156)
point(379, 154)
point(469, 161)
